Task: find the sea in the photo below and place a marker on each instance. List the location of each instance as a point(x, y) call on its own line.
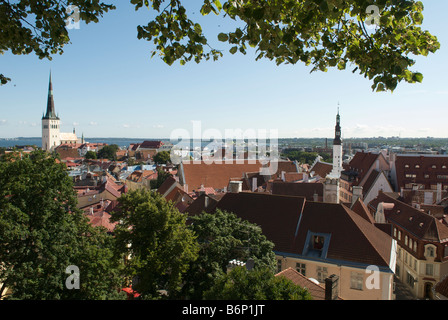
point(123, 143)
point(37, 141)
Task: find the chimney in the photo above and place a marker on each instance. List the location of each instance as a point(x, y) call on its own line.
point(91, 211)
point(439, 193)
point(254, 184)
point(331, 287)
point(315, 197)
point(283, 176)
point(206, 202)
point(377, 164)
point(186, 188)
point(235, 186)
point(357, 194)
point(402, 192)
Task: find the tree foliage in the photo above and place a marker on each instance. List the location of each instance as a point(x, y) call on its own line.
point(91, 155)
point(154, 235)
point(321, 33)
point(222, 237)
point(108, 152)
point(162, 157)
point(377, 39)
point(241, 284)
point(39, 26)
point(42, 233)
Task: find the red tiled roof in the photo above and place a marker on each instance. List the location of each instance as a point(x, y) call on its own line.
point(215, 175)
point(421, 165)
point(421, 224)
point(151, 144)
point(362, 162)
point(306, 190)
point(321, 169)
point(317, 291)
point(353, 239)
point(441, 288)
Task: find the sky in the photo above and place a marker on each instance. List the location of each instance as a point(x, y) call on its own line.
point(107, 85)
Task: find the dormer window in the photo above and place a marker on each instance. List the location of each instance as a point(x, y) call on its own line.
point(443, 167)
point(434, 166)
point(417, 166)
point(316, 244)
point(406, 166)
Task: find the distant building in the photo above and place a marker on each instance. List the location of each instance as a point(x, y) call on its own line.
point(51, 135)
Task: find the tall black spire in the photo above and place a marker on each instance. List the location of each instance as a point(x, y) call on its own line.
point(51, 113)
point(337, 134)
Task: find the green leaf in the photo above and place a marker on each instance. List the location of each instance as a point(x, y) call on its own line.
point(223, 37)
point(233, 50)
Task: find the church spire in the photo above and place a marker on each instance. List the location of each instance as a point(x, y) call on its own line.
point(337, 133)
point(51, 113)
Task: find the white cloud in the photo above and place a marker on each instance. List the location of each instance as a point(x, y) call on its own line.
point(3, 122)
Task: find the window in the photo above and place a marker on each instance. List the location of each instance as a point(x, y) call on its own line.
point(443, 167)
point(430, 252)
point(301, 267)
point(415, 246)
point(405, 240)
point(445, 253)
point(434, 166)
point(426, 176)
point(442, 176)
point(399, 235)
point(429, 269)
point(410, 175)
point(410, 280)
point(417, 166)
point(318, 242)
point(356, 280)
point(415, 264)
point(322, 273)
point(395, 232)
point(406, 166)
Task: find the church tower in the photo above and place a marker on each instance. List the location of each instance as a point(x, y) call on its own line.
point(50, 123)
point(331, 184)
point(337, 149)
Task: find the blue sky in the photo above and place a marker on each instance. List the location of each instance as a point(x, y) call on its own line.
point(106, 85)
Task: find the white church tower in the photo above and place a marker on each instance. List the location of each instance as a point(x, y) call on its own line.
point(331, 185)
point(50, 124)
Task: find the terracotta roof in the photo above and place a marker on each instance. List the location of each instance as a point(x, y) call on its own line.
point(362, 162)
point(306, 190)
point(151, 144)
point(202, 203)
point(286, 221)
point(417, 222)
point(421, 165)
point(321, 169)
point(166, 185)
point(317, 291)
point(361, 209)
point(215, 175)
point(441, 288)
